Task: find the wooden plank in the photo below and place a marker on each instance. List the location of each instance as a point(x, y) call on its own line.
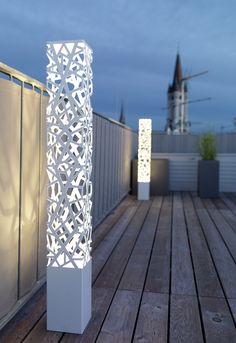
point(197, 201)
point(22, 324)
point(119, 323)
point(182, 278)
point(136, 269)
point(40, 334)
point(206, 277)
point(228, 201)
point(219, 204)
point(152, 322)
point(40, 327)
point(209, 204)
point(158, 277)
point(113, 269)
point(224, 228)
point(218, 323)
point(230, 218)
point(101, 300)
point(148, 326)
point(232, 304)
point(224, 263)
point(101, 231)
point(26, 318)
point(157, 202)
point(231, 196)
point(91, 332)
point(103, 251)
point(185, 325)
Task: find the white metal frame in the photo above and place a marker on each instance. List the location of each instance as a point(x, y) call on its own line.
point(69, 139)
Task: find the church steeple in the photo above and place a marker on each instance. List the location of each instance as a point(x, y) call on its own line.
point(122, 115)
point(177, 80)
point(185, 87)
point(177, 95)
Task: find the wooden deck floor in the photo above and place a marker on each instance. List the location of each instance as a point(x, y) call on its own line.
point(163, 271)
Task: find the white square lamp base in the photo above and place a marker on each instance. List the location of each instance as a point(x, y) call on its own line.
point(68, 298)
point(143, 190)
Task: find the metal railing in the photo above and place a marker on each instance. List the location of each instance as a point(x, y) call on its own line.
point(23, 183)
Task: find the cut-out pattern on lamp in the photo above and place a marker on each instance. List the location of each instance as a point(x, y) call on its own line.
point(69, 155)
point(69, 120)
point(144, 158)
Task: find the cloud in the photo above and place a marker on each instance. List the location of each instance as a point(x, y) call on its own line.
point(134, 45)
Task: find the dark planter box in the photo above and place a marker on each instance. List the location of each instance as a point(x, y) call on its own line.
point(208, 179)
point(134, 175)
point(159, 177)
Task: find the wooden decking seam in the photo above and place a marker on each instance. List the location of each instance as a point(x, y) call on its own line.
point(117, 288)
point(150, 256)
point(188, 242)
point(194, 274)
point(216, 269)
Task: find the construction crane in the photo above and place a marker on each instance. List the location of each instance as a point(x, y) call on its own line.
point(233, 125)
point(223, 127)
point(194, 75)
point(184, 79)
point(188, 102)
point(195, 123)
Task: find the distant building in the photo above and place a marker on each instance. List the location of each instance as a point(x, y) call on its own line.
point(177, 117)
point(122, 115)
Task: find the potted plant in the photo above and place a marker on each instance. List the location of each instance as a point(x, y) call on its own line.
point(208, 167)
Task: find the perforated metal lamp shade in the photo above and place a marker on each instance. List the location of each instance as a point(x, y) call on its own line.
point(69, 166)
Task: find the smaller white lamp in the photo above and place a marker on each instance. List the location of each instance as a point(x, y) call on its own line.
point(144, 158)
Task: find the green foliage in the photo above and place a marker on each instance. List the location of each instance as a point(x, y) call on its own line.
point(208, 146)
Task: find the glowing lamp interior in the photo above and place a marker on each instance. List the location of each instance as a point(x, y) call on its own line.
point(144, 150)
point(69, 155)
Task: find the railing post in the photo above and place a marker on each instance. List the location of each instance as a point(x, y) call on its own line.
point(69, 156)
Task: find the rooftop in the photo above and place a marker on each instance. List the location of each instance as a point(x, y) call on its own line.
point(161, 268)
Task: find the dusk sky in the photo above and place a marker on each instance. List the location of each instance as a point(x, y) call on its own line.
point(135, 44)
